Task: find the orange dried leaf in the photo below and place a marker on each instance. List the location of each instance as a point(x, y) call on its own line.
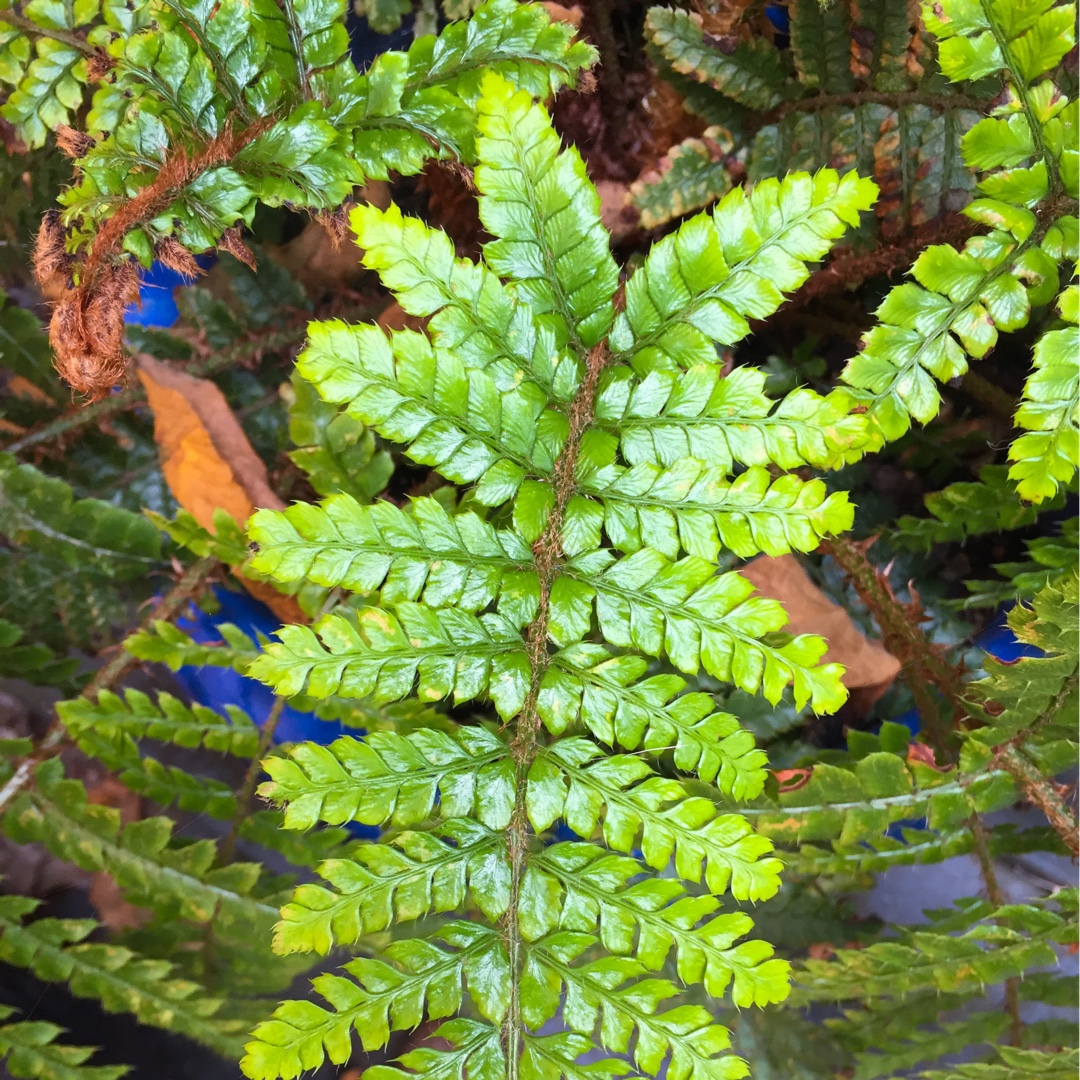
point(207, 460)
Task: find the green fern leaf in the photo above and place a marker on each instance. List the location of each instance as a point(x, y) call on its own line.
point(31, 1052)
point(336, 452)
point(606, 693)
point(457, 560)
point(567, 782)
point(164, 644)
point(169, 720)
point(1015, 1064)
point(662, 914)
point(1046, 458)
point(418, 978)
point(726, 418)
point(514, 389)
point(123, 982)
point(380, 655)
point(701, 284)
point(751, 73)
point(475, 1052)
point(178, 881)
point(690, 176)
point(413, 874)
point(685, 1036)
point(545, 215)
point(390, 777)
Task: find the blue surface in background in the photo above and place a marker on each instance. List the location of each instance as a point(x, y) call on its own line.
point(218, 687)
point(157, 304)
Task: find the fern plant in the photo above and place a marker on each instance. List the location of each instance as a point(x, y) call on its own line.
point(569, 405)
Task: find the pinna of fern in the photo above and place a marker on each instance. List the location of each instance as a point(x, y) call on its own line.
point(569, 406)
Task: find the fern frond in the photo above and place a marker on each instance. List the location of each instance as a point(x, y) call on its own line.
point(505, 392)
point(701, 284)
point(472, 313)
point(608, 990)
point(1015, 1064)
point(726, 418)
point(752, 73)
point(55, 950)
point(1045, 459)
point(180, 881)
point(418, 977)
point(544, 214)
point(1034, 693)
point(164, 644)
point(695, 507)
point(646, 918)
point(31, 1052)
point(381, 655)
point(450, 416)
point(1022, 937)
point(969, 508)
point(690, 176)
point(607, 695)
point(566, 781)
point(928, 330)
point(166, 720)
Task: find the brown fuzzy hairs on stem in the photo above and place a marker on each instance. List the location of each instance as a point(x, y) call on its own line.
point(87, 327)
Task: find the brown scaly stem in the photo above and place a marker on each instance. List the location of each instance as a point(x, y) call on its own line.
point(924, 666)
point(190, 584)
point(941, 102)
point(548, 553)
point(227, 850)
point(1041, 791)
point(981, 848)
point(847, 270)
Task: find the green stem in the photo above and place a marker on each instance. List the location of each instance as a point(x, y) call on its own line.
point(1020, 86)
point(227, 850)
point(981, 847)
point(28, 26)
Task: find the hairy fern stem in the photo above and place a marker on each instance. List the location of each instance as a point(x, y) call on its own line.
point(548, 553)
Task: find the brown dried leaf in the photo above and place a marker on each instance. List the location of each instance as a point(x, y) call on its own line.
point(869, 668)
point(619, 216)
point(558, 13)
point(207, 460)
